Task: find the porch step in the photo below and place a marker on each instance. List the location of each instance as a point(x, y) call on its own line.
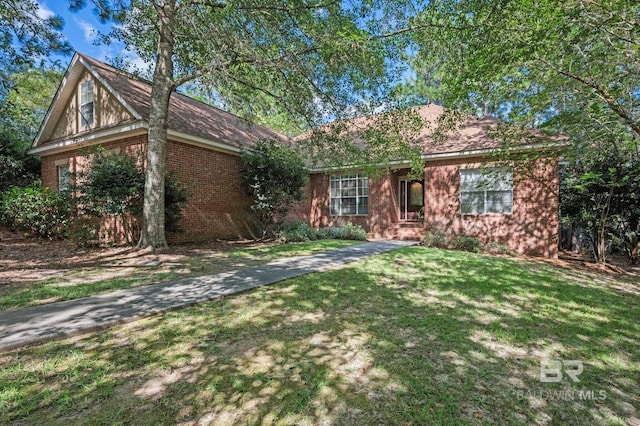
point(408, 231)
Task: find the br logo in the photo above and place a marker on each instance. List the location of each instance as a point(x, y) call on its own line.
point(551, 371)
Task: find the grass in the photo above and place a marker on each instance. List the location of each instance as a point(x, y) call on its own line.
point(83, 282)
point(415, 336)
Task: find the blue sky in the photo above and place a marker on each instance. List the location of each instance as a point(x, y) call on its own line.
point(81, 29)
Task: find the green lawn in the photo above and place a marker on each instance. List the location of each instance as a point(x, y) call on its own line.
point(90, 281)
point(413, 337)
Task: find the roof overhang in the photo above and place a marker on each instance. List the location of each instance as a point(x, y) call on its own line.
point(457, 155)
point(92, 138)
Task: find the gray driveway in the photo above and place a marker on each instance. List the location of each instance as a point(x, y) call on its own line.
point(28, 326)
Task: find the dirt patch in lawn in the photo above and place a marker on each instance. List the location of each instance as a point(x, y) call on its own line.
point(27, 259)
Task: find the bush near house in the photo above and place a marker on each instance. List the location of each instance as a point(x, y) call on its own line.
point(37, 210)
point(299, 231)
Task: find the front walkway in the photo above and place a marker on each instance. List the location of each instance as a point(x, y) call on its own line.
point(27, 326)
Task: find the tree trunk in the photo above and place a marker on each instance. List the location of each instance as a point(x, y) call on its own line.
point(152, 234)
point(600, 247)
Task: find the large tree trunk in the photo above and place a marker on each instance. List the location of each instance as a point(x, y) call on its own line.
point(152, 234)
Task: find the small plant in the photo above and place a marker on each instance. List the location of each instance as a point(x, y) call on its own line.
point(329, 233)
point(296, 232)
point(36, 210)
point(467, 243)
point(435, 237)
point(352, 232)
point(497, 248)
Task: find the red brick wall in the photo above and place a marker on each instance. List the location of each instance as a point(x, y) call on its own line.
point(217, 205)
point(383, 205)
point(532, 228)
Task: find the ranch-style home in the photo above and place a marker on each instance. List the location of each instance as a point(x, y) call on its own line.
point(99, 105)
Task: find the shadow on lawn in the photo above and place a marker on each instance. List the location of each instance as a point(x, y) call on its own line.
point(417, 336)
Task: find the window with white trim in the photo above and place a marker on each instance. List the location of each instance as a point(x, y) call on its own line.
point(349, 195)
point(63, 178)
point(486, 191)
point(86, 103)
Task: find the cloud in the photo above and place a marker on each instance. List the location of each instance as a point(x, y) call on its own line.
point(89, 31)
point(44, 12)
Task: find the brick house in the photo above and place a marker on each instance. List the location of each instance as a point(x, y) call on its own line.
point(462, 191)
point(97, 104)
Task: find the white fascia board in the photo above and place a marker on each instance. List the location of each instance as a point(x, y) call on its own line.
point(446, 156)
point(203, 142)
point(56, 98)
point(93, 138)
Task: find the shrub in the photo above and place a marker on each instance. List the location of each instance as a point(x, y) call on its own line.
point(296, 231)
point(37, 210)
point(435, 237)
point(274, 176)
point(329, 233)
point(352, 232)
point(497, 248)
point(467, 243)
point(346, 232)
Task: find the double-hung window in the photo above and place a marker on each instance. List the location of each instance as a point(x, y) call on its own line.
point(86, 103)
point(349, 195)
point(486, 191)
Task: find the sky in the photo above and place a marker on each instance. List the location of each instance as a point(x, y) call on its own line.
point(81, 30)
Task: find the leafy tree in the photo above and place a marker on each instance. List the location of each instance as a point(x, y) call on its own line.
point(275, 176)
point(568, 67)
point(21, 112)
point(308, 59)
point(564, 65)
point(28, 33)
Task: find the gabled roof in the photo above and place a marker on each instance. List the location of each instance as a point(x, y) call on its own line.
point(465, 135)
point(187, 116)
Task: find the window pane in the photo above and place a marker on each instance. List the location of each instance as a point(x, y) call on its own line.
point(499, 201)
point(348, 206)
point(472, 202)
point(363, 206)
point(470, 179)
point(86, 112)
point(63, 178)
point(335, 206)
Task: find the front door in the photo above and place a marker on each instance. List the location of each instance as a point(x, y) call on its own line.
point(411, 199)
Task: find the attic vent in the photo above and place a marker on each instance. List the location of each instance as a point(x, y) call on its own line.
point(86, 103)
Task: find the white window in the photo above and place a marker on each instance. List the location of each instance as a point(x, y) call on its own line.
point(63, 178)
point(349, 195)
point(486, 191)
point(86, 103)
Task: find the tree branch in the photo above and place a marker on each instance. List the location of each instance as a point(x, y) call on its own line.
point(602, 93)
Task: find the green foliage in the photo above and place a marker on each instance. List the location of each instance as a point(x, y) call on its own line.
point(21, 111)
point(296, 232)
point(435, 236)
point(114, 184)
point(26, 36)
point(601, 194)
point(175, 198)
point(352, 232)
point(36, 210)
point(274, 176)
point(466, 243)
point(571, 75)
point(299, 231)
point(498, 248)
